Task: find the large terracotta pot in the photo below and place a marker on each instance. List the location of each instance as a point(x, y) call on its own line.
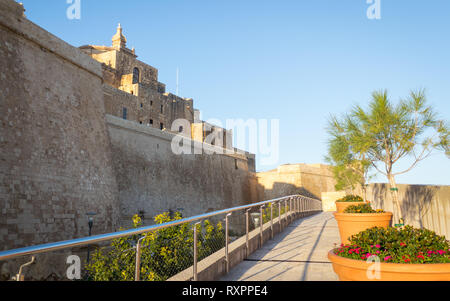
point(340, 206)
point(356, 270)
point(353, 223)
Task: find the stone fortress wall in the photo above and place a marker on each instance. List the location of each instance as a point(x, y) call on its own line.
point(55, 158)
point(152, 179)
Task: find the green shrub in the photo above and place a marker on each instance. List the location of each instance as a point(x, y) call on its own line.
point(266, 211)
point(397, 245)
point(351, 198)
point(362, 208)
point(165, 252)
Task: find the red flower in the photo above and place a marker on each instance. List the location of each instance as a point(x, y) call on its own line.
point(402, 244)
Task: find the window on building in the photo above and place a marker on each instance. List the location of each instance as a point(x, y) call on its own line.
point(180, 129)
point(161, 126)
point(142, 105)
point(235, 164)
point(151, 102)
point(162, 109)
point(151, 121)
point(140, 122)
point(136, 75)
point(124, 113)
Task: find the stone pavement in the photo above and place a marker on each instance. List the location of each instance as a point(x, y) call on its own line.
point(299, 253)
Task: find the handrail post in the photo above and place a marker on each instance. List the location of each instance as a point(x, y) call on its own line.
point(286, 212)
point(271, 219)
point(227, 258)
point(288, 219)
point(294, 202)
point(302, 204)
point(261, 223)
point(279, 215)
point(247, 229)
point(194, 267)
point(291, 210)
point(19, 276)
point(137, 275)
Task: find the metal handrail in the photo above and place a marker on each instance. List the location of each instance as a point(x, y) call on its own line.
point(10, 254)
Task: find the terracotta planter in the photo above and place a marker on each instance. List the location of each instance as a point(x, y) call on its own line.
point(353, 223)
point(340, 206)
point(356, 270)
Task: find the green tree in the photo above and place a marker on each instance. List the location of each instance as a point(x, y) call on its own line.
point(386, 133)
point(349, 170)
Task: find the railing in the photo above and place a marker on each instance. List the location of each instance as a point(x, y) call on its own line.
point(293, 205)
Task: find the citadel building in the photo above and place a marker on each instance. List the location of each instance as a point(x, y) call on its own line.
point(132, 92)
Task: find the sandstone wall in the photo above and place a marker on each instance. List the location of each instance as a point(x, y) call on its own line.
point(305, 179)
point(55, 160)
point(153, 180)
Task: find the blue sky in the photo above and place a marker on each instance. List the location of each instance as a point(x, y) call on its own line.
point(297, 61)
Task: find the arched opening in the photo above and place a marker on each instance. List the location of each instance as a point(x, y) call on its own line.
point(136, 75)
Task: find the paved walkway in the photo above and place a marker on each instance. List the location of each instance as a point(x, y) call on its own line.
point(298, 253)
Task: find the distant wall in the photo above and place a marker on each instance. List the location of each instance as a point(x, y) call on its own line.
point(329, 199)
point(55, 160)
point(424, 206)
point(305, 179)
point(152, 179)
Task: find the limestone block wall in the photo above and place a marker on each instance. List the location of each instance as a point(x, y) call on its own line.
point(329, 199)
point(146, 106)
point(304, 179)
point(152, 179)
point(115, 100)
point(126, 62)
point(55, 160)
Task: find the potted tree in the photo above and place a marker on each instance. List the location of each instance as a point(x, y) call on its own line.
point(395, 254)
point(357, 218)
point(348, 200)
point(382, 136)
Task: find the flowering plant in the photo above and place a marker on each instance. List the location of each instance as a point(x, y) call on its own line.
point(363, 208)
point(351, 198)
point(395, 245)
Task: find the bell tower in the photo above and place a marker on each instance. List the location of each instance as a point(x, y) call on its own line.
point(119, 41)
